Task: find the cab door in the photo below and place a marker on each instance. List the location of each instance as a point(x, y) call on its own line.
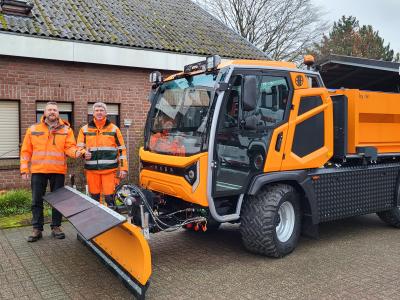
point(309, 142)
point(231, 166)
point(243, 134)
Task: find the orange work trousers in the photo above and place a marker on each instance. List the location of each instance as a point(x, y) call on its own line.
point(102, 182)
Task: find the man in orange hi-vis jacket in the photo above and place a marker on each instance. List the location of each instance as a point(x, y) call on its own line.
point(43, 155)
point(105, 154)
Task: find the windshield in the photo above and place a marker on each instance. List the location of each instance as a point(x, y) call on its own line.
point(179, 116)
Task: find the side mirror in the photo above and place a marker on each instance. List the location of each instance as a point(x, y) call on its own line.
point(156, 79)
point(250, 93)
point(152, 94)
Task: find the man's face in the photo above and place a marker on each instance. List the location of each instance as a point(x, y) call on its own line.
point(168, 124)
point(51, 112)
point(99, 113)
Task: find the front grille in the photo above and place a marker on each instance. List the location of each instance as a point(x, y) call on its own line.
point(163, 168)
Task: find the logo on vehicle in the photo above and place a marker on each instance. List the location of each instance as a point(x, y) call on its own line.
point(299, 80)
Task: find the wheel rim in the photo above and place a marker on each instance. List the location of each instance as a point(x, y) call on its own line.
point(285, 227)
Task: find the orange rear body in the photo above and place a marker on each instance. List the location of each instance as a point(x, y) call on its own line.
point(373, 120)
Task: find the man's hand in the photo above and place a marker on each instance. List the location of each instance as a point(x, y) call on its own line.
point(25, 176)
point(79, 153)
point(122, 174)
point(88, 155)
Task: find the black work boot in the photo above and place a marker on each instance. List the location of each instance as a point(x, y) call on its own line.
point(95, 197)
point(110, 201)
point(57, 233)
point(35, 236)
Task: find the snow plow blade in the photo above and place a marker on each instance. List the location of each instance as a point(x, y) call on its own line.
point(120, 245)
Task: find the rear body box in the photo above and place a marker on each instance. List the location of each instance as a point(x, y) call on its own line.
point(373, 120)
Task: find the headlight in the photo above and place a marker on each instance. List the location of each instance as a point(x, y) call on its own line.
point(190, 174)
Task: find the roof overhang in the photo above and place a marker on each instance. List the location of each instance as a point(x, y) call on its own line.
point(12, 44)
point(339, 71)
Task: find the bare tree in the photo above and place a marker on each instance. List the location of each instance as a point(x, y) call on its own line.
point(283, 29)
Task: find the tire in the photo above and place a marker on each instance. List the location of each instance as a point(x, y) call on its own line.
point(391, 217)
point(271, 221)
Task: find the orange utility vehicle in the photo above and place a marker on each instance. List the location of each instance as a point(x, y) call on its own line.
point(268, 145)
point(260, 143)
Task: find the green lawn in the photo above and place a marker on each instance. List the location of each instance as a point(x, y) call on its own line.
point(22, 219)
point(15, 208)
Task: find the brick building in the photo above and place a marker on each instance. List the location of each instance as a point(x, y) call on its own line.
point(78, 52)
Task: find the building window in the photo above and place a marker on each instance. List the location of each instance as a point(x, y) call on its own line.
point(9, 129)
point(112, 113)
point(64, 108)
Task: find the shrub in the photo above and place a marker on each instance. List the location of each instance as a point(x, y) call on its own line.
point(15, 202)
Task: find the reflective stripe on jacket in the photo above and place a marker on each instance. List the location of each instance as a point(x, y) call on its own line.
point(106, 146)
point(43, 151)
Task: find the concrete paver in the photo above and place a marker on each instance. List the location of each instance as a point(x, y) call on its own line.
point(357, 258)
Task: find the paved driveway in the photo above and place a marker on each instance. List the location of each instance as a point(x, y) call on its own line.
point(358, 258)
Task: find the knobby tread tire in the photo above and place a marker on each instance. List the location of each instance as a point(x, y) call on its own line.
point(391, 217)
point(258, 225)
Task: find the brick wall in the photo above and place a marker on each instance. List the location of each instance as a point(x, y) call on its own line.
point(30, 80)
point(10, 179)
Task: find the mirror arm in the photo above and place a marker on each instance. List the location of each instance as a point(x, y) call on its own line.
point(222, 86)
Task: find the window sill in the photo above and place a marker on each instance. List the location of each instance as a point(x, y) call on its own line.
point(9, 163)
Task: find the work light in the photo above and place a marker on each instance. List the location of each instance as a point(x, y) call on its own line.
point(155, 77)
point(212, 62)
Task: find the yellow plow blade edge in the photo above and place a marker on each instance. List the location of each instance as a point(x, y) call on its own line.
point(126, 252)
point(128, 247)
point(119, 244)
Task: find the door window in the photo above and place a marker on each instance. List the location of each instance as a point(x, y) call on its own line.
point(231, 155)
point(242, 137)
point(273, 94)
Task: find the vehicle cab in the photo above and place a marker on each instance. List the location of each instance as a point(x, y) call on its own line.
point(215, 126)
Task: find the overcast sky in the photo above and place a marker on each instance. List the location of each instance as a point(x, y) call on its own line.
point(383, 15)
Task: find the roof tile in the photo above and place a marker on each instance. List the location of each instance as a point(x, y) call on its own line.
point(170, 25)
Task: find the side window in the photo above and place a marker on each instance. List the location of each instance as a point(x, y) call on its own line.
point(313, 81)
point(308, 103)
point(311, 127)
point(273, 94)
point(230, 109)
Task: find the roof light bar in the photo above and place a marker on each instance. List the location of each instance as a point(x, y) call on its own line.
point(210, 64)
